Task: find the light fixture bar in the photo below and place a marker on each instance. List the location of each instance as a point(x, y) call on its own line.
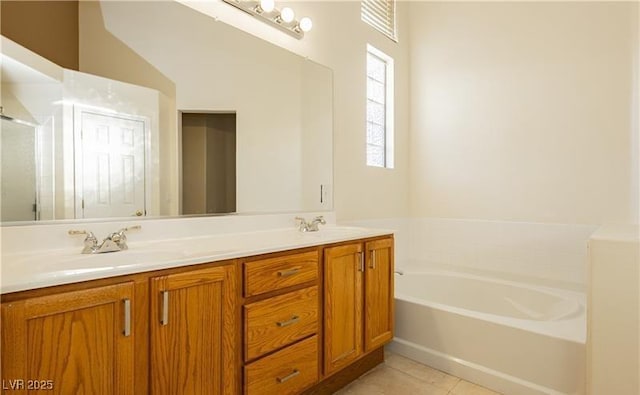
point(273, 18)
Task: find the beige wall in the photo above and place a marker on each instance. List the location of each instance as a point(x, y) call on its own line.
point(339, 40)
point(523, 111)
point(49, 28)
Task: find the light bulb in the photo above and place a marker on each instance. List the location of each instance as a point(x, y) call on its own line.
point(267, 5)
point(305, 24)
point(287, 14)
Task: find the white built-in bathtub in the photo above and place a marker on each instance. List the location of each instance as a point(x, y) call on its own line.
point(512, 337)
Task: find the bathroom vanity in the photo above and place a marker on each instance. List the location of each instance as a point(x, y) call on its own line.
point(289, 313)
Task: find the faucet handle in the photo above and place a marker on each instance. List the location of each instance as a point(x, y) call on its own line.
point(134, 227)
point(120, 238)
point(320, 218)
point(90, 242)
point(74, 232)
point(303, 226)
point(90, 235)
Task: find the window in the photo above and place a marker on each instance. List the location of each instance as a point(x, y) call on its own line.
point(379, 109)
point(381, 14)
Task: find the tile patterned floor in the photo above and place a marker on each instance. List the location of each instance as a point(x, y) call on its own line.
point(401, 376)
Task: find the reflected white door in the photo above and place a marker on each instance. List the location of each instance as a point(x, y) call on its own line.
point(112, 169)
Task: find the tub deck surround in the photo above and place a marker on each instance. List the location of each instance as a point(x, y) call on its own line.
point(553, 312)
point(511, 337)
point(43, 268)
point(497, 303)
point(614, 310)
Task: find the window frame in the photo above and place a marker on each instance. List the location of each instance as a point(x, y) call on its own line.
point(388, 161)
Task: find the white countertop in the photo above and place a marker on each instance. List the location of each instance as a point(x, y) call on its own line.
point(24, 271)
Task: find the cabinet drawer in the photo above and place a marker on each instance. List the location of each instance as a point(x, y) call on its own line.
point(271, 274)
point(288, 371)
point(278, 321)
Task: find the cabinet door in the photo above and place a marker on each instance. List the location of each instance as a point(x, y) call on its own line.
point(343, 267)
point(80, 342)
point(193, 329)
point(378, 299)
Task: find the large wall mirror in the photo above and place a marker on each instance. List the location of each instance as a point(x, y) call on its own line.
point(172, 113)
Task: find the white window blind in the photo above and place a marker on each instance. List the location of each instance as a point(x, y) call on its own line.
point(381, 14)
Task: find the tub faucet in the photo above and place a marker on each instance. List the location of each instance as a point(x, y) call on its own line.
point(312, 226)
point(114, 242)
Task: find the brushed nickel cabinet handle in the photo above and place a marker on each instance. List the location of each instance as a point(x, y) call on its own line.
point(288, 377)
point(164, 320)
point(373, 259)
point(288, 272)
point(361, 261)
point(288, 322)
point(127, 318)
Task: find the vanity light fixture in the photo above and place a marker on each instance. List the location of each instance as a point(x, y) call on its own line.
point(267, 5)
point(305, 24)
point(287, 15)
point(267, 11)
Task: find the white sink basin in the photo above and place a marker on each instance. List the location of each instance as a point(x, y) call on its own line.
point(97, 261)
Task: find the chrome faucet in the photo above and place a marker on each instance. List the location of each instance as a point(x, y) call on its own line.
point(312, 226)
point(114, 242)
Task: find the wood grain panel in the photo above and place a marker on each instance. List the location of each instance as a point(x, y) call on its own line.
point(286, 372)
point(342, 306)
point(193, 353)
point(276, 322)
point(140, 326)
point(75, 339)
point(275, 273)
point(379, 276)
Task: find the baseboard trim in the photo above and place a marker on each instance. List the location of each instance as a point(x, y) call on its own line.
point(469, 371)
point(347, 375)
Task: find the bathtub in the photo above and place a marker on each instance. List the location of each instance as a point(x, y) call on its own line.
point(511, 337)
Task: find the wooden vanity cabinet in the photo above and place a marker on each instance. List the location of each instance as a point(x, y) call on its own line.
point(193, 332)
point(378, 294)
point(73, 342)
point(306, 321)
point(172, 331)
point(343, 297)
point(358, 301)
point(281, 319)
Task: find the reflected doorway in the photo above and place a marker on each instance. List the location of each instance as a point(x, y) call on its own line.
point(208, 163)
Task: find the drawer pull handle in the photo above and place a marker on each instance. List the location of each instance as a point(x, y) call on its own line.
point(127, 318)
point(164, 319)
point(291, 321)
point(289, 272)
point(288, 377)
